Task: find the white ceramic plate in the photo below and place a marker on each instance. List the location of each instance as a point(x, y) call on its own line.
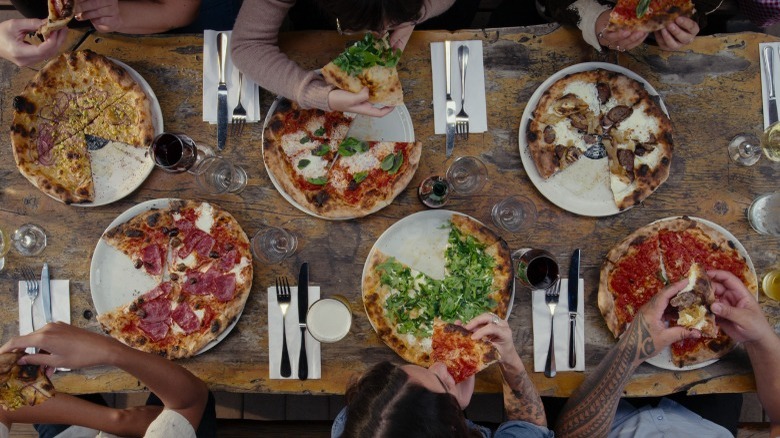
point(114, 282)
point(664, 358)
point(396, 126)
point(118, 169)
point(584, 187)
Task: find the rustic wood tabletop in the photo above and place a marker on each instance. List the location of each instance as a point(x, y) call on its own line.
point(712, 91)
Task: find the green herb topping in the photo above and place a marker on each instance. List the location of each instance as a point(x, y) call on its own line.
point(303, 163)
point(642, 7)
point(320, 132)
point(350, 146)
point(360, 176)
point(319, 181)
point(367, 53)
point(321, 150)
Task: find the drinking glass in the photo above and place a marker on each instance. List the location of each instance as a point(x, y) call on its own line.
point(746, 148)
point(175, 153)
point(29, 240)
point(771, 284)
point(467, 175)
point(535, 268)
point(513, 212)
point(5, 246)
point(273, 244)
point(217, 175)
point(764, 214)
point(329, 319)
point(434, 191)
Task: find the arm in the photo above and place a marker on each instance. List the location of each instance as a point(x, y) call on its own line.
point(14, 48)
point(137, 16)
point(521, 400)
point(591, 409)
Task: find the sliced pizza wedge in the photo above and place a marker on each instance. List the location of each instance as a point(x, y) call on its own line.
point(647, 15)
point(452, 345)
point(694, 301)
point(145, 239)
point(22, 385)
point(60, 14)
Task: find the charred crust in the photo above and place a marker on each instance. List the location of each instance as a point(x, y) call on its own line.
point(134, 233)
point(138, 264)
point(215, 326)
point(23, 105)
point(152, 219)
point(643, 170)
point(321, 198)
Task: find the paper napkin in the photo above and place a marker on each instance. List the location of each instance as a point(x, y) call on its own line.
point(541, 322)
point(293, 336)
point(475, 85)
point(765, 77)
point(60, 306)
point(250, 93)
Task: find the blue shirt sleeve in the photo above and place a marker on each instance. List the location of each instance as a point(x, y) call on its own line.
point(524, 429)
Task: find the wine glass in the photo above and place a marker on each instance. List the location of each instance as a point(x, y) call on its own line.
point(175, 153)
point(28, 240)
point(513, 213)
point(467, 175)
point(217, 175)
point(746, 148)
point(273, 244)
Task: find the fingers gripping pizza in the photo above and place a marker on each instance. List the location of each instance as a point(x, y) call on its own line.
point(693, 303)
point(22, 385)
point(60, 14)
point(452, 345)
point(647, 15)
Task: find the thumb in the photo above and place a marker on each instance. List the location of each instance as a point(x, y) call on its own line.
point(725, 311)
point(678, 333)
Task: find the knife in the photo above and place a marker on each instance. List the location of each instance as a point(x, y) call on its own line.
point(222, 111)
point(46, 293)
point(449, 104)
point(303, 307)
point(574, 283)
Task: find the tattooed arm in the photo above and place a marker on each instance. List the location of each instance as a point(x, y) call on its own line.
point(591, 409)
point(521, 401)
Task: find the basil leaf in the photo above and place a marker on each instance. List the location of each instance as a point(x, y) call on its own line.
point(397, 162)
point(642, 7)
point(388, 162)
point(360, 176)
point(305, 139)
point(321, 150)
point(320, 132)
point(303, 163)
point(350, 146)
point(319, 181)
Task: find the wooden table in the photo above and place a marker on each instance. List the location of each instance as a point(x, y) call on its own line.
point(712, 92)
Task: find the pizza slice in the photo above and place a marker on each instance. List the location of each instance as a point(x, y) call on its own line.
point(371, 63)
point(452, 345)
point(60, 14)
point(694, 301)
point(22, 385)
point(145, 239)
point(647, 15)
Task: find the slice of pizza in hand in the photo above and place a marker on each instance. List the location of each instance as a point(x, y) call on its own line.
point(371, 63)
point(452, 345)
point(647, 15)
point(22, 385)
point(694, 301)
point(60, 14)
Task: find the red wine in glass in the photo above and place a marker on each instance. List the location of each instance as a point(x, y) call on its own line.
point(174, 152)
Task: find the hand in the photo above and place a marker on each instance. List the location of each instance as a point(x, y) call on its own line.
point(738, 311)
point(400, 36)
point(620, 40)
point(677, 34)
point(496, 330)
point(14, 48)
point(345, 101)
point(68, 347)
point(653, 315)
point(104, 14)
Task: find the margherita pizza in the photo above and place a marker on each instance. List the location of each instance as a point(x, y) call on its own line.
point(22, 385)
point(452, 345)
point(312, 160)
point(201, 258)
point(647, 15)
point(402, 302)
point(597, 113)
point(76, 96)
point(660, 254)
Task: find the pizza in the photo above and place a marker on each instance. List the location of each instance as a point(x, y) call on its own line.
point(370, 62)
point(693, 303)
point(660, 254)
point(60, 14)
point(598, 114)
point(311, 158)
point(647, 15)
point(402, 302)
point(77, 98)
point(200, 258)
point(452, 345)
point(22, 385)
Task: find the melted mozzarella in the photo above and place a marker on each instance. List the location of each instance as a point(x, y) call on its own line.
point(359, 162)
point(314, 124)
point(585, 91)
point(292, 146)
point(639, 126)
point(567, 135)
point(205, 218)
point(316, 168)
point(238, 268)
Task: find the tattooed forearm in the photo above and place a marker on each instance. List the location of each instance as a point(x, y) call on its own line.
point(590, 411)
point(521, 401)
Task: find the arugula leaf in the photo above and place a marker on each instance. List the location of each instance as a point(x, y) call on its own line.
point(642, 7)
point(321, 150)
point(320, 132)
point(303, 163)
point(360, 176)
point(319, 181)
point(367, 53)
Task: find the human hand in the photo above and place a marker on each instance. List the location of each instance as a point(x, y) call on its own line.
point(738, 311)
point(345, 101)
point(652, 313)
point(14, 48)
point(490, 327)
point(620, 40)
point(678, 34)
point(400, 36)
point(104, 14)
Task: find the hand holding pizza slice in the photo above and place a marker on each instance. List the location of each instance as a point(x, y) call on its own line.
point(60, 14)
point(22, 385)
point(463, 356)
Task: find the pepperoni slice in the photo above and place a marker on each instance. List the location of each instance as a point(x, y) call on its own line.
point(155, 330)
point(191, 240)
point(162, 290)
point(224, 287)
point(152, 256)
point(204, 245)
point(228, 260)
point(157, 310)
point(185, 318)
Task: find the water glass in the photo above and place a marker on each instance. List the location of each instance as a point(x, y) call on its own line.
point(467, 175)
point(273, 244)
point(329, 319)
point(513, 213)
point(764, 214)
point(217, 175)
point(535, 268)
point(29, 240)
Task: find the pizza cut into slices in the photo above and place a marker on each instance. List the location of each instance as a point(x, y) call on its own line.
point(370, 62)
point(452, 345)
point(60, 14)
point(694, 301)
point(145, 239)
point(647, 15)
point(22, 385)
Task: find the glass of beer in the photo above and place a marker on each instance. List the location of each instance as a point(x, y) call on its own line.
point(771, 284)
point(745, 149)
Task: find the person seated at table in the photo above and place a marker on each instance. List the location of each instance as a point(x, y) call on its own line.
point(408, 400)
point(596, 408)
point(16, 49)
point(187, 404)
point(255, 48)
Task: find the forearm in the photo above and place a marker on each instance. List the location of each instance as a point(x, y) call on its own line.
point(521, 400)
point(155, 16)
point(765, 357)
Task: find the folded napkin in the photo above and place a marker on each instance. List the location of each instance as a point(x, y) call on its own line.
point(475, 85)
point(250, 94)
point(60, 306)
point(541, 321)
point(293, 336)
point(765, 77)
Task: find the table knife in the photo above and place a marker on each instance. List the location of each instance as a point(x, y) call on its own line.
point(574, 286)
point(46, 293)
point(303, 307)
point(769, 61)
point(222, 110)
point(449, 103)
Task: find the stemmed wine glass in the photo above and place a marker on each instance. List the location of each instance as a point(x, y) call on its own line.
point(513, 213)
point(217, 175)
point(467, 175)
point(175, 153)
point(273, 244)
point(28, 240)
point(746, 148)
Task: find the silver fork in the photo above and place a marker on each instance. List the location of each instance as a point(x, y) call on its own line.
point(239, 113)
point(32, 293)
point(462, 119)
point(283, 298)
point(551, 298)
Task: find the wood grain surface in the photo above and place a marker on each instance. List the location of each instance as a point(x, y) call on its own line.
point(712, 91)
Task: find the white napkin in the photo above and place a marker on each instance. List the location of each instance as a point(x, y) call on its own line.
point(475, 85)
point(765, 77)
point(250, 93)
point(293, 336)
point(541, 321)
point(60, 306)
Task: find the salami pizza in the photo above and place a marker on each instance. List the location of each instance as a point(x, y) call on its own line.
point(22, 385)
point(311, 159)
point(452, 345)
point(660, 254)
point(402, 302)
point(647, 15)
point(200, 257)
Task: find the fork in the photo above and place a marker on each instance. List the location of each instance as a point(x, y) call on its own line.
point(283, 298)
point(462, 119)
point(551, 299)
point(32, 293)
point(239, 113)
